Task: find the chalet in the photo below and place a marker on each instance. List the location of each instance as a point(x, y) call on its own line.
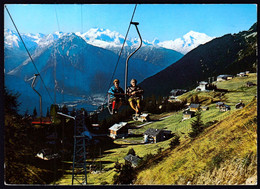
point(224, 108)
point(47, 154)
point(188, 114)
point(240, 105)
point(242, 74)
point(202, 86)
point(218, 104)
point(156, 135)
point(194, 107)
point(144, 117)
point(95, 126)
point(205, 108)
point(153, 135)
point(132, 160)
point(118, 130)
point(224, 77)
point(173, 99)
point(249, 84)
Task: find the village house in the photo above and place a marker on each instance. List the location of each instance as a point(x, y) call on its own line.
point(242, 74)
point(224, 108)
point(132, 160)
point(173, 99)
point(142, 118)
point(47, 154)
point(249, 84)
point(240, 105)
point(224, 77)
point(156, 135)
point(218, 104)
point(194, 107)
point(118, 130)
point(174, 93)
point(203, 85)
point(188, 114)
point(95, 126)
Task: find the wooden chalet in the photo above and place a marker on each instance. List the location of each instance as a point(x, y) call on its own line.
point(132, 160)
point(156, 135)
point(224, 77)
point(118, 130)
point(240, 105)
point(218, 104)
point(95, 126)
point(142, 117)
point(188, 114)
point(224, 108)
point(194, 107)
point(242, 74)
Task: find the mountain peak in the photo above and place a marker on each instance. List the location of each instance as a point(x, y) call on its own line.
point(188, 42)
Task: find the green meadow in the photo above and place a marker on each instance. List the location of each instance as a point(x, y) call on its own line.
point(230, 135)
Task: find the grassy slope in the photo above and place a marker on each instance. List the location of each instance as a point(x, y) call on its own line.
point(223, 141)
point(230, 139)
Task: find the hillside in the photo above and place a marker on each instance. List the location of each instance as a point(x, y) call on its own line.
point(223, 154)
point(229, 54)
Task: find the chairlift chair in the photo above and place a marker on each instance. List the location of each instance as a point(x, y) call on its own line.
point(109, 100)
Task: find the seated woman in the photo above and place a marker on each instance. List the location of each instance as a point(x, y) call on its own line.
point(116, 95)
point(135, 93)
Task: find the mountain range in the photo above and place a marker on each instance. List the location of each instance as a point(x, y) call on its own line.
point(229, 54)
point(78, 67)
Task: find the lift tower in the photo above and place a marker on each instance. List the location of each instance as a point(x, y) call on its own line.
point(79, 171)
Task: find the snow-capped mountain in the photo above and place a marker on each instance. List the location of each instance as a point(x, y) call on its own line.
point(107, 39)
point(86, 59)
point(78, 70)
point(188, 42)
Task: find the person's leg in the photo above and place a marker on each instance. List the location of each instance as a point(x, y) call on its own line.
point(119, 104)
point(132, 105)
point(138, 107)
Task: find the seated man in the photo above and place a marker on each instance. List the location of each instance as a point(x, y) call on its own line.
point(135, 93)
point(116, 96)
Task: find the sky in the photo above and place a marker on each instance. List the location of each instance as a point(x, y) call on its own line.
point(156, 21)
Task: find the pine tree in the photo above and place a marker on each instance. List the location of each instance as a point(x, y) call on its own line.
point(196, 125)
point(196, 100)
point(131, 151)
point(48, 112)
point(34, 112)
point(192, 100)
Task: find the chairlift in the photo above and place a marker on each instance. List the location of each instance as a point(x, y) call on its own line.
point(41, 120)
point(109, 99)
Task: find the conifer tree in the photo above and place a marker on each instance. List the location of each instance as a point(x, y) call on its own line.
point(196, 125)
point(48, 112)
point(196, 99)
point(34, 112)
point(131, 151)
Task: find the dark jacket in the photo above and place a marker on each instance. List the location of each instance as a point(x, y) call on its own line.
point(131, 89)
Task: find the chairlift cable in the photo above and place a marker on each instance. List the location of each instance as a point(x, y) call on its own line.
point(28, 52)
point(121, 49)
